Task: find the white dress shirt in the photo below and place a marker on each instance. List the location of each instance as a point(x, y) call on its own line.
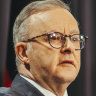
point(44, 91)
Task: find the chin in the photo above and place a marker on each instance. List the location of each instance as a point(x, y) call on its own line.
point(65, 76)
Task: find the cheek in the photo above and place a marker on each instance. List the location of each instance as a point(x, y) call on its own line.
point(43, 59)
point(78, 60)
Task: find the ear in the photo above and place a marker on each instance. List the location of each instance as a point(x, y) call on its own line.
point(21, 51)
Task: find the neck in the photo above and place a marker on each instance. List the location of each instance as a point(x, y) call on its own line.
point(58, 88)
point(55, 86)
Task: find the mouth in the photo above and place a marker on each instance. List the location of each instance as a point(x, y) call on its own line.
point(70, 62)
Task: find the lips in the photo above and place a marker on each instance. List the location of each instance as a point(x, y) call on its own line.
point(67, 62)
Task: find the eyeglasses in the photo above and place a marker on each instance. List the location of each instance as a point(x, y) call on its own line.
point(57, 40)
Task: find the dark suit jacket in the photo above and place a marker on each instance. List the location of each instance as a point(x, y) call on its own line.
point(20, 87)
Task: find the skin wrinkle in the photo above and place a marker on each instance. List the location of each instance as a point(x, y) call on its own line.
point(54, 79)
point(44, 44)
point(44, 77)
point(78, 61)
point(35, 18)
point(51, 66)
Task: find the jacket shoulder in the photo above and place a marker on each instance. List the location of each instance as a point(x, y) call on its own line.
point(4, 91)
point(8, 92)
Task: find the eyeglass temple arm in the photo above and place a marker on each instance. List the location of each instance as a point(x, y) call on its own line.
point(35, 37)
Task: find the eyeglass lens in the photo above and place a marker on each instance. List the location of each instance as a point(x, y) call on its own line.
point(57, 40)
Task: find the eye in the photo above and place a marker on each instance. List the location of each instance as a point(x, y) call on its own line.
point(53, 37)
point(74, 39)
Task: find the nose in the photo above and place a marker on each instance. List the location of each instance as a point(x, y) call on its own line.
point(67, 48)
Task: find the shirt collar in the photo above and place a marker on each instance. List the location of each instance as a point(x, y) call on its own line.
point(41, 89)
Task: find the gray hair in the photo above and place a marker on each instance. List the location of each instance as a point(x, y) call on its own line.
point(20, 29)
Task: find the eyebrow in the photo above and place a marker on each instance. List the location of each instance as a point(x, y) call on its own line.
point(75, 32)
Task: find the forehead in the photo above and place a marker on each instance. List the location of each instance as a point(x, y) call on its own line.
point(58, 20)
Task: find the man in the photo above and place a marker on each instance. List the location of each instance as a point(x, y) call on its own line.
point(47, 45)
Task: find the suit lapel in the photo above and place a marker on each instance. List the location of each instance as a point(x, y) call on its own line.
point(24, 88)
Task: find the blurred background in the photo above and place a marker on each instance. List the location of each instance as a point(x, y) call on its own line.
point(85, 13)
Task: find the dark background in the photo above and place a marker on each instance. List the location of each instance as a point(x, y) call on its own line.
point(84, 12)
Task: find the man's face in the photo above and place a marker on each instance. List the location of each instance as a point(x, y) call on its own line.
point(45, 60)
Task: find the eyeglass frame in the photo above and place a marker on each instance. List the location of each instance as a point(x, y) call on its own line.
point(48, 34)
